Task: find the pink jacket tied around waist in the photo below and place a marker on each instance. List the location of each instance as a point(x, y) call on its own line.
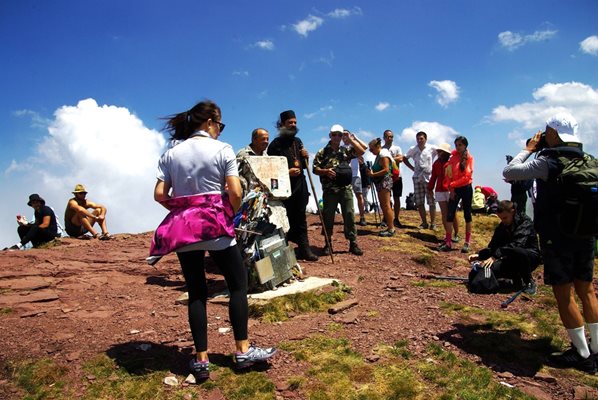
point(193, 219)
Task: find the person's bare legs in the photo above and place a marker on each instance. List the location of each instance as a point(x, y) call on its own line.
point(384, 197)
point(397, 207)
point(80, 219)
point(101, 220)
point(422, 213)
point(360, 204)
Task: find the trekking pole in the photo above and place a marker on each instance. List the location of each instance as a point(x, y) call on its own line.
point(373, 205)
point(376, 204)
point(445, 277)
point(313, 190)
point(511, 299)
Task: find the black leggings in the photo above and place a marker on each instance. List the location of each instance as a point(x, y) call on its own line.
point(34, 234)
point(464, 193)
point(516, 264)
point(231, 265)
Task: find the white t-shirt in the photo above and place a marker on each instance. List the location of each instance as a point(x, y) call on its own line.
point(394, 152)
point(199, 165)
point(422, 162)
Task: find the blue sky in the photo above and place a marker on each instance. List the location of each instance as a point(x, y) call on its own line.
point(85, 83)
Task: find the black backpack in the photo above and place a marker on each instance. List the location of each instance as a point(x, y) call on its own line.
point(410, 202)
point(578, 183)
point(482, 281)
point(344, 175)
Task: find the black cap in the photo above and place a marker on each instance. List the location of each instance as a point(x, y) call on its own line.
point(35, 197)
point(288, 114)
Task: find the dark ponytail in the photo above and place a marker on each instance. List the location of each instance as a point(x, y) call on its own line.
point(184, 124)
point(465, 154)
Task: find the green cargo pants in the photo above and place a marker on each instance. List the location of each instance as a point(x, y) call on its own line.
point(345, 198)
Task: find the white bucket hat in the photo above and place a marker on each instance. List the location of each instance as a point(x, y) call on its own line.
point(566, 127)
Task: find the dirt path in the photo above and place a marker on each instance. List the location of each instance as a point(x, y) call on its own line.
point(81, 298)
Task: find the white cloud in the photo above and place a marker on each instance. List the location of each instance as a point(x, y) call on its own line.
point(264, 44)
point(325, 60)
point(106, 148)
point(311, 23)
point(240, 73)
point(383, 105)
point(513, 40)
point(321, 111)
point(589, 45)
point(364, 134)
point(577, 98)
point(437, 133)
point(344, 12)
point(448, 91)
point(37, 121)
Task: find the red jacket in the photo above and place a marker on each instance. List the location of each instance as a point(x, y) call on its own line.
point(454, 177)
point(438, 177)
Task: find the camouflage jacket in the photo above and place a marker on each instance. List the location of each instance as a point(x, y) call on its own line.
point(328, 158)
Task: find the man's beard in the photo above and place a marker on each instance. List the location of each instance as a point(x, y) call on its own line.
point(289, 132)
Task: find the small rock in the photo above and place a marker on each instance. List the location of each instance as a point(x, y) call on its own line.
point(446, 344)
point(222, 331)
point(506, 384)
point(182, 299)
point(73, 356)
point(134, 332)
point(343, 305)
point(506, 375)
point(585, 392)
point(373, 358)
point(435, 338)
point(91, 377)
point(171, 381)
point(190, 379)
point(545, 377)
point(187, 396)
point(282, 386)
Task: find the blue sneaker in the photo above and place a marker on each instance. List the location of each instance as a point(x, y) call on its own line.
point(253, 355)
point(200, 369)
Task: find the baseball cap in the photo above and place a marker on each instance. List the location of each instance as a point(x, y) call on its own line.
point(336, 128)
point(566, 127)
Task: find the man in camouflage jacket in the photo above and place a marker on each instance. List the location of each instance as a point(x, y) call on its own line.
point(331, 164)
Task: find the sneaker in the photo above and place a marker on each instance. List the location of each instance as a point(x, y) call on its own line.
point(362, 222)
point(326, 251)
point(531, 288)
point(433, 227)
point(354, 249)
point(17, 246)
point(571, 359)
point(444, 247)
point(200, 369)
point(387, 233)
point(383, 225)
point(253, 355)
point(465, 248)
point(456, 239)
point(305, 253)
point(397, 223)
point(424, 226)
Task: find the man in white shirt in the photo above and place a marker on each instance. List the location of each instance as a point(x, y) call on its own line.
point(423, 157)
point(356, 182)
point(397, 186)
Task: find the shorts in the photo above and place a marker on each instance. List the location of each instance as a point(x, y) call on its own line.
point(356, 184)
point(74, 230)
point(442, 196)
point(397, 188)
point(568, 259)
point(384, 184)
point(422, 193)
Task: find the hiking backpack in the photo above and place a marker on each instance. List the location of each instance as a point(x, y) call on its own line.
point(578, 183)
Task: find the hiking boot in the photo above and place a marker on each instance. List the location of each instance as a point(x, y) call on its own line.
point(397, 223)
point(465, 248)
point(305, 253)
point(253, 355)
point(354, 249)
point(387, 233)
point(445, 247)
point(531, 288)
point(200, 369)
point(424, 226)
point(326, 250)
point(456, 239)
point(571, 359)
point(362, 222)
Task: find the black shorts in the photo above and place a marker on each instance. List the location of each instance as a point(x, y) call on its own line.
point(568, 259)
point(74, 230)
point(397, 188)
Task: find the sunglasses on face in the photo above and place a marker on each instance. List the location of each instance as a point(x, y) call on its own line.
point(337, 134)
point(220, 125)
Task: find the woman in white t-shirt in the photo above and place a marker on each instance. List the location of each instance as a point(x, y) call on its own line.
point(381, 175)
point(198, 182)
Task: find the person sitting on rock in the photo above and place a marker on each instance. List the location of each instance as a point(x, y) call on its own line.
point(78, 220)
point(513, 251)
point(42, 230)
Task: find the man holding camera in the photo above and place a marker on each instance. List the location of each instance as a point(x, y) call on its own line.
point(568, 261)
point(331, 164)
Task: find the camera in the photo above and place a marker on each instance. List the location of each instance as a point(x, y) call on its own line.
point(541, 144)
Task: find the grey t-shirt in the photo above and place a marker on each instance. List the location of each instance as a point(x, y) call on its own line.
point(199, 165)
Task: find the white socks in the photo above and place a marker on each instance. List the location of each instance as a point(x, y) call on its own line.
point(593, 328)
point(578, 338)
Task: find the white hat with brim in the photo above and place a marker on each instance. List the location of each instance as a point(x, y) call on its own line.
point(566, 127)
point(337, 128)
point(444, 147)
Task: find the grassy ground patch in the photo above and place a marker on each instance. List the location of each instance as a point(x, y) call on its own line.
point(40, 379)
point(337, 372)
point(282, 308)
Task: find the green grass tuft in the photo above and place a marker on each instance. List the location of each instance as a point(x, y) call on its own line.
point(41, 379)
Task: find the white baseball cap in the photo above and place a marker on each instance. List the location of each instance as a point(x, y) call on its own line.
point(337, 128)
point(566, 127)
